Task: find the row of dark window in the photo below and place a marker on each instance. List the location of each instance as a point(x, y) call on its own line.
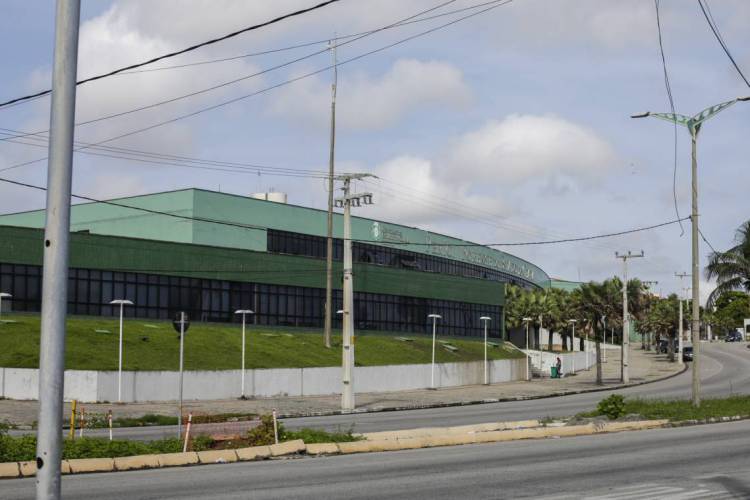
point(161, 297)
point(286, 242)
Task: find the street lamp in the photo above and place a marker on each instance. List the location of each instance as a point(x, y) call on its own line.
point(4, 295)
point(485, 319)
point(573, 335)
point(244, 313)
point(122, 303)
point(527, 321)
point(434, 317)
point(693, 125)
point(604, 327)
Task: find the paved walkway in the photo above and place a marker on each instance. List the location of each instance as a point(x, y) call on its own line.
point(644, 367)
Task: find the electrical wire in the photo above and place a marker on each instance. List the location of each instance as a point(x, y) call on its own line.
point(430, 244)
point(252, 75)
point(707, 242)
point(706, 9)
point(309, 44)
point(279, 85)
point(671, 107)
point(181, 51)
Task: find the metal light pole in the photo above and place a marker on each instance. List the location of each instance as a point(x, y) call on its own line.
point(528, 373)
point(527, 320)
point(573, 335)
point(625, 349)
point(434, 317)
point(349, 199)
point(3, 295)
point(122, 303)
point(182, 323)
point(56, 238)
point(244, 313)
point(693, 125)
point(485, 319)
point(604, 328)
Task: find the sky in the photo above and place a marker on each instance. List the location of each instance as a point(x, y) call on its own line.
point(510, 126)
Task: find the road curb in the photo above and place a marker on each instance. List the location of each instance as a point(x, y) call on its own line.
point(12, 470)
point(289, 416)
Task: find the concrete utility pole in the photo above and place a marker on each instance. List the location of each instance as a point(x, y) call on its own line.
point(625, 375)
point(329, 240)
point(56, 236)
point(693, 125)
point(346, 201)
point(681, 333)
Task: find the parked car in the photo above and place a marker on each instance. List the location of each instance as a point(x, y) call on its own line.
point(687, 353)
point(733, 337)
point(662, 346)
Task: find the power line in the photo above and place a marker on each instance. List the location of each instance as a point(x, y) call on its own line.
point(430, 244)
point(707, 242)
point(671, 107)
point(281, 84)
point(179, 52)
point(309, 44)
point(252, 75)
point(706, 9)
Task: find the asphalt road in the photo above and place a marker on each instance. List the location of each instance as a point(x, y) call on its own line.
point(725, 370)
point(708, 462)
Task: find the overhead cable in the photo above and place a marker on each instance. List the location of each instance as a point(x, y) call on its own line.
point(715, 29)
point(179, 52)
point(280, 84)
point(671, 107)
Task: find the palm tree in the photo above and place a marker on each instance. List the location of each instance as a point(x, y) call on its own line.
point(731, 269)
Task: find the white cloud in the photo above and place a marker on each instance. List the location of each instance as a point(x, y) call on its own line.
point(365, 102)
point(522, 147)
point(410, 192)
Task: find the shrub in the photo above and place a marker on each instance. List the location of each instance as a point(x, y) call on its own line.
point(612, 406)
point(263, 434)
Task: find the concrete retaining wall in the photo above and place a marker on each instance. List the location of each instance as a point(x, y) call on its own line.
point(92, 386)
point(571, 362)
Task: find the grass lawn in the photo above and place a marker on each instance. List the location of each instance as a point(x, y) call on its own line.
point(676, 410)
point(154, 345)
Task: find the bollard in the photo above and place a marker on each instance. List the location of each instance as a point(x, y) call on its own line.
point(109, 421)
point(72, 430)
point(275, 428)
point(83, 421)
point(187, 432)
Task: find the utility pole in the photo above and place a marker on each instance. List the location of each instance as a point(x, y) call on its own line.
point(693, 125)
point(681, 333)
point(625, 375)
point(329, 240)
point(347, 201)
point(644, 342)
point(56, 238)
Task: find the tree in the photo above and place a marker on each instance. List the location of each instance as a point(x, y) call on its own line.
point(731, 268)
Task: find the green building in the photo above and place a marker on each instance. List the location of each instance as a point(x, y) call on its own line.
point(211, 253)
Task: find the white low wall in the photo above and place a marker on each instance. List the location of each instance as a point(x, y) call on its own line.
point(92, 386)
point(571, 362)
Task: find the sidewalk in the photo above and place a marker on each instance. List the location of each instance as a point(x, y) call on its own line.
point(644, 367)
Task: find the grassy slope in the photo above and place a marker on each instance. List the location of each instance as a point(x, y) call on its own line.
point(217, 346)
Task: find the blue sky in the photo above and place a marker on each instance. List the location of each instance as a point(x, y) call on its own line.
point(510, 126)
